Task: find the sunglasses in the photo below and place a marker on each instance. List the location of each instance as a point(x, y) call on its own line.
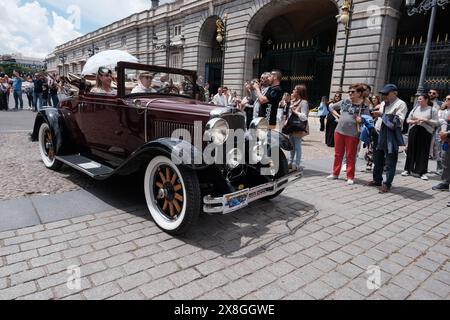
point(433, 93)
point(104, 71)
point(351, 92)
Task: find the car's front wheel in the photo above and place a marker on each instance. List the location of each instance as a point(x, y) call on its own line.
point(172, 194)
point(47, 148)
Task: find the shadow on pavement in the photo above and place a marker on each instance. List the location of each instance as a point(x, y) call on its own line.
point(245, 233)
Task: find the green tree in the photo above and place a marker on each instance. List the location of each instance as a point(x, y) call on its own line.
point(8, 69)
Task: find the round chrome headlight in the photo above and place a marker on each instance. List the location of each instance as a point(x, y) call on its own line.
point(217, 131)
point(260, 128)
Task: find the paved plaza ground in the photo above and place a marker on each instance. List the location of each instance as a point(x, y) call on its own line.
point(316, 241)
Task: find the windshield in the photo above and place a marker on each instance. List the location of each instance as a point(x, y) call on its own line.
point(144, 80)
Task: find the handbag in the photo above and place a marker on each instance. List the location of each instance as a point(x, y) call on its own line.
point(295, 124)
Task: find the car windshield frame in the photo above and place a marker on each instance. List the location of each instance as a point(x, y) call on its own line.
point(123, 66)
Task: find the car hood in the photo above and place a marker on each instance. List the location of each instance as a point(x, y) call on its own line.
point(179, 104)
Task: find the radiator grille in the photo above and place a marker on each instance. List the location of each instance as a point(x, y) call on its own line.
point(165, 129)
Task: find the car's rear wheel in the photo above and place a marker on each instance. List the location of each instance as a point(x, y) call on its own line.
point(47, 148)
point(172, 194)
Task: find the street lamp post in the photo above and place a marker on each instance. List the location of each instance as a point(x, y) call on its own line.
point(63, 58)
point(93, 50)
point(346, 19)
point(222, 40)
point(423, 8)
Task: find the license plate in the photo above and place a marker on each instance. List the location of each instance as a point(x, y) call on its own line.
point(236, 201)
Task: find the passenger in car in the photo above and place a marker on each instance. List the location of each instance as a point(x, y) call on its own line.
point(144, 84)
point(103, 82)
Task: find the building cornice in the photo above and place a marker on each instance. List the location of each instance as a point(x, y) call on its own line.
point(143, 19)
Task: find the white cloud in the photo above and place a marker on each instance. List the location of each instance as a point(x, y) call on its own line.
point(34, 28)
point(30, 29)
point(102, 12)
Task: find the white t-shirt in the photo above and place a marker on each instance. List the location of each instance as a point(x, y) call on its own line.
point(398, 108)
point(101, 91)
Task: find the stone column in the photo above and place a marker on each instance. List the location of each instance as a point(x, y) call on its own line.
point(373, 27)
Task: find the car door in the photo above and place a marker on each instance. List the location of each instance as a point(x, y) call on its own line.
point(100, 120)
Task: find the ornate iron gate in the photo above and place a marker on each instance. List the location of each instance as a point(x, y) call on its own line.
point(301, 63)
point(406, 62)
point(213, 74)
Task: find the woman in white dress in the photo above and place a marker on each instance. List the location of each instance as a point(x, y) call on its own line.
point(103, 82)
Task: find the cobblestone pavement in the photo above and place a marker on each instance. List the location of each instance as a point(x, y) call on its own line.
point(22, 172)
point(316, 241)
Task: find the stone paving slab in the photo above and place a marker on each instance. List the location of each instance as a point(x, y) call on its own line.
point(17, 214)
point(68, 205)
point(35, 210)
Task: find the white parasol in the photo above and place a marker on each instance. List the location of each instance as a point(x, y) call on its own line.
point(109, 59)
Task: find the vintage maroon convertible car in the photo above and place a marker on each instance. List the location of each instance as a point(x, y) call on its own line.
point(103, 135)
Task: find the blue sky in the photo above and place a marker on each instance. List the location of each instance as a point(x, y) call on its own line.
point(35, 27)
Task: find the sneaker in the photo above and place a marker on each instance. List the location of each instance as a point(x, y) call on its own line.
point(369, 168)
point(424, 178)
point(332, 177)
point(441, 187)
point(406, 174)
point(350, 182)
point(290, 166)
point(448, 204)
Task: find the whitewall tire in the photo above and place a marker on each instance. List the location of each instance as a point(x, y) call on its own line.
point(172, 194)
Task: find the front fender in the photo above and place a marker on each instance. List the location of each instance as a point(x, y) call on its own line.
point(278, 139)
point(53, 118)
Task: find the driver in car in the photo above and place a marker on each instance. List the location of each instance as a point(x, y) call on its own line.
point(162, 83)
point(103, 82)
point(144, 84)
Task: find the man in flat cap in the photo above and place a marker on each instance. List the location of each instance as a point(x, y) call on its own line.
point(392, 115)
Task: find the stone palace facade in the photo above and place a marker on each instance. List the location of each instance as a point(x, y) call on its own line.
point(302, 38)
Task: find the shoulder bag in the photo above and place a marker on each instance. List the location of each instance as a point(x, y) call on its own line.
point(295, 124)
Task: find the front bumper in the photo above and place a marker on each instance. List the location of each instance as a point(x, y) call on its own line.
point(241, 199)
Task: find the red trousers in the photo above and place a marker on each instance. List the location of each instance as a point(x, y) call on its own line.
point(345, 145)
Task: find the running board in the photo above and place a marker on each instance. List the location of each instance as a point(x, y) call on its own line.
point(91, 168)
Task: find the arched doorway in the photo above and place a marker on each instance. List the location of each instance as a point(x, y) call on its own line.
point(407, 51)
point(298, 38)
point(210, 54)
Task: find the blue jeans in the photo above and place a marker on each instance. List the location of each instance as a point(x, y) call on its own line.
point(296, 153)
point(380, 159)
point(55, 101)
point(17, 98)
point(37, 101)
